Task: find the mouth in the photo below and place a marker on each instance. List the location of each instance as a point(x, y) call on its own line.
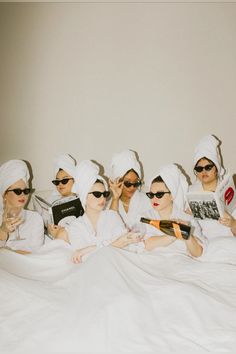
point(21, 201)
point(155, 204)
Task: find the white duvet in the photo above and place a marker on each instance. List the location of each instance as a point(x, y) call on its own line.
point(118, 301)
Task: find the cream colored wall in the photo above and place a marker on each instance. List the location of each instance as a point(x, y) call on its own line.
point(92, 79)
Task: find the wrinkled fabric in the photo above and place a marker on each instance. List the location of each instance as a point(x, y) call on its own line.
point(118, 301)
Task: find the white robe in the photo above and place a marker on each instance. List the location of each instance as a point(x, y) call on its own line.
point(211, 228)
point(82, 234)
point(177, 245)
point(32, 230)
point(139, 203)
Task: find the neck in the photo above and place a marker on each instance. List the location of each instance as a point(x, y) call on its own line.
point(210, 187)
point(125, 200)
point(166, 213)
point(93, 216)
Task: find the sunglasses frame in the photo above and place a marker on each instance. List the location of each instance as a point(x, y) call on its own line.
point(207, 168)
point(98, 194)
point(158, 195)
point(19, 191)
point(56, 182)
point(128, 184)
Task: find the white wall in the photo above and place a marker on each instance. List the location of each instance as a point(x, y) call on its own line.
point(92, 79)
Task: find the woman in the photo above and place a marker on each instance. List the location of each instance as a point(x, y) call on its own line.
point(97, 227)
point(167, 196)
point(209, 173)
point(21, 230)
point(125, 183)
point(64, 170)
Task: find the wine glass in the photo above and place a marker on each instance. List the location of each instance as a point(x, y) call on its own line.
point(12, 214)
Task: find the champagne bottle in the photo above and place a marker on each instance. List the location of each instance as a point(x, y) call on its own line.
point(170, 227)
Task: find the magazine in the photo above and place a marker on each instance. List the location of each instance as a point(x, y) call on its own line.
point(212, 205)
point(61, 211)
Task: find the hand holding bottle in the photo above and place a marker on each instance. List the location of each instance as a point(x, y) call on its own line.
point(170, 227)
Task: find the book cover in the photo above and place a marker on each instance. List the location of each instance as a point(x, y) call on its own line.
point(65, 208)
point(212, 205)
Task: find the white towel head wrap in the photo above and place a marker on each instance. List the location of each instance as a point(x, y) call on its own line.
point(87, 172)
point(176, 183)
point(209, 147)
point(66, 163)
point(123, 162)
point(11, 172)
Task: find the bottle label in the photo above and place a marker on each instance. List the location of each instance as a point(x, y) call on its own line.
point(177, 231)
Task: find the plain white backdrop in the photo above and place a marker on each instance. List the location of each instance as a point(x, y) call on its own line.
point(91, 79)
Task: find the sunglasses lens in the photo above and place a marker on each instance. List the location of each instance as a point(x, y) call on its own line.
point(150, 195)
point(127, 184)
point(17, 191)
point(198, 169)
point(27, 191)
point(97, 194)
point(64, 180)
point(208, 167)
point(106, 194)
point(159, 195)
point(55, 182)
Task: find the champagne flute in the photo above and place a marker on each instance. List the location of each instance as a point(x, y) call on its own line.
point(12, 214)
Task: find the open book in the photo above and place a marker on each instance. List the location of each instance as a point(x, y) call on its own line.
point(60, 211)
point(212, 205)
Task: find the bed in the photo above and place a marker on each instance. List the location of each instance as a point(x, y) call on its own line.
point(119, 301)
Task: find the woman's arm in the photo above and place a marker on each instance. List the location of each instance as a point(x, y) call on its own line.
point(193, 247)
point(126, 239)
point(116, 188)
point(77, 256)
point(229, 221)
point(158, 241)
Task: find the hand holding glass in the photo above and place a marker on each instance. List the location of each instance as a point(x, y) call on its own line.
point(16, 217)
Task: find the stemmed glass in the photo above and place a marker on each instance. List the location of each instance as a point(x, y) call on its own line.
point(12, 213)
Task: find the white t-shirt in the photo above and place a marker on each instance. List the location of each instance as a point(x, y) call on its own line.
point(211, 228)
point(31, 231)
point(82, 234)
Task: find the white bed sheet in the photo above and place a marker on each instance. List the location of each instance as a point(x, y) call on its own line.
point(118, 301)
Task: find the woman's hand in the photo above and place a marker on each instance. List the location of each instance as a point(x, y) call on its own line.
point(9, 224)
point(54, 230)
point(180, 221)
point(228, 220)
point(116, 187)
point(77, 256)
point(127, 239)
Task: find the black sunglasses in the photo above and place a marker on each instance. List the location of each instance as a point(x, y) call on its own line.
point(158, 195)
point(62, 181)
point(135, 184)
point(19, 191)
point(208, 167)
point(98, 194)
